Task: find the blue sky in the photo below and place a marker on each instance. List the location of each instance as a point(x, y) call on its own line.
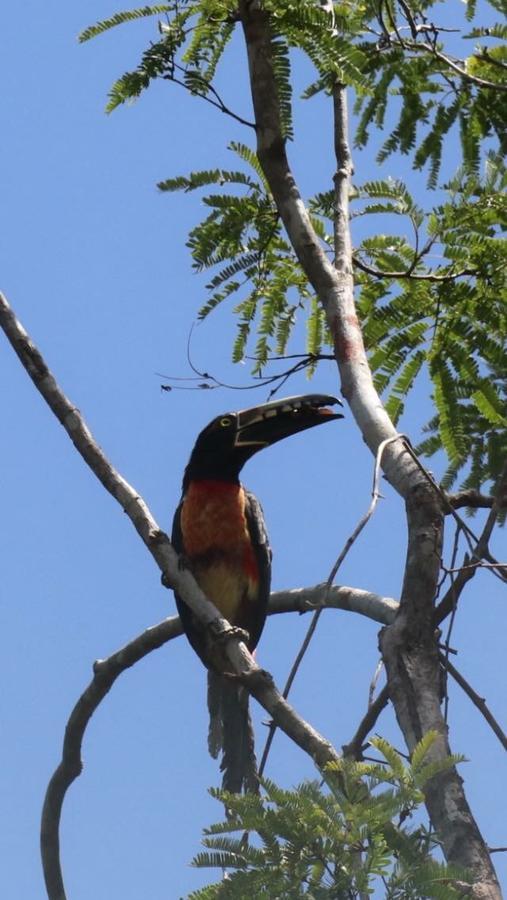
point(93, 260)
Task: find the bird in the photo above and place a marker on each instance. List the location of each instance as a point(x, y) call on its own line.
point(220, 534)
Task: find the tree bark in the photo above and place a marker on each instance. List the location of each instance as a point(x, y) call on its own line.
point(409, 645)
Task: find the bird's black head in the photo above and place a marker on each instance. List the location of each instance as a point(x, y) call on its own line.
point(224, 446)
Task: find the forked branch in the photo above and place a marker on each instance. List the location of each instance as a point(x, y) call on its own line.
point(258, 682)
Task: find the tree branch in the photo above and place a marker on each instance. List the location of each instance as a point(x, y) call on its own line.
point(471, 499)
point(380, 609)
point(354, 748)
point(417, 46)
point(480, 551)
point(132, 503)
point(413, 276)
point(302, 600)
point(333, 286)
point(105, 674)
point(409, 646)
point(258, 682)
point(478, 701)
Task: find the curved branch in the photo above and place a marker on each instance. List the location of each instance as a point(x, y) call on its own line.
point(416, 46)
point(105, 674)
point(257, 682)
point(472, 499)
point(302, 600)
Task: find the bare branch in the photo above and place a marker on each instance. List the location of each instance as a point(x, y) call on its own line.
point(258, 682)
point(410, 274)
point(480, 551)
point(302, 600)
point(472, 500)
point(479, 702)
point(131, 502)
point(381, 609)
point(215, 100)
point(355, 747)
point(105, 674)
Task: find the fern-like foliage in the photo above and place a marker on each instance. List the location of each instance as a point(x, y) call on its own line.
point(450, 318)
point(337, 842)
point(413, 74)
point(431, 290)
point(128, 15)
point(242, 241)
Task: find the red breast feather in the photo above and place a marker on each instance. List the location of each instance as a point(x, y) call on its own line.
point(217, 543)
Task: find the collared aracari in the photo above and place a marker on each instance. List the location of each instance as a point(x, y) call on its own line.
point(219, 530)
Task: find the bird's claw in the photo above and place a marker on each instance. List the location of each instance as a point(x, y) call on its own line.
point(231, 631)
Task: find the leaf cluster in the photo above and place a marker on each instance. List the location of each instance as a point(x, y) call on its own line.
point(337, 842)
point(449, 318)
point(241, 239)
point(421, 85)
point(431, 291)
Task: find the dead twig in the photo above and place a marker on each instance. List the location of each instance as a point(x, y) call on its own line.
point(478, 701)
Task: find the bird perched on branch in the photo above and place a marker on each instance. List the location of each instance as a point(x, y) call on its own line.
point(219, 530)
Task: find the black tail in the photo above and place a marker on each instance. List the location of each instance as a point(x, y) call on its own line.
point(230, 731)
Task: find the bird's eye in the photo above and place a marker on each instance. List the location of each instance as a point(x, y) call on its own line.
point(225, 422)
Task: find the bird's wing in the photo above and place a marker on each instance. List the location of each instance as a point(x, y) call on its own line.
point(191, 626)
point(262, 551)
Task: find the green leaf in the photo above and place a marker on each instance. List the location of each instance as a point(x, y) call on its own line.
point(126, 16)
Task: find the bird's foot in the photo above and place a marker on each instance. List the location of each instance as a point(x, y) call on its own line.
point(223, 631)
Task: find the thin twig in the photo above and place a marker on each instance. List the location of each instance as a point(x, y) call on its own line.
point(478, 564)
point(463, 73)
point(217, 102)
point(414, 276)
point(355, 747)
point(373, 684)
point(481, 545)
point(332, 575)
point(479, 551)
point(452, 617)
point(479, 702)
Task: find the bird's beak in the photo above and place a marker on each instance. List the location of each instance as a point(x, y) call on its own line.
point(264, 425)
